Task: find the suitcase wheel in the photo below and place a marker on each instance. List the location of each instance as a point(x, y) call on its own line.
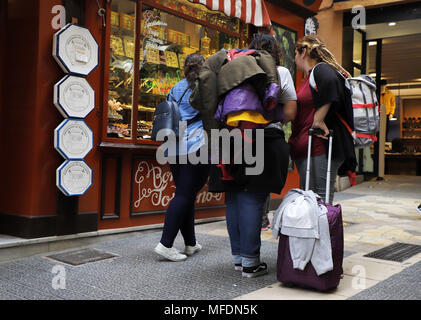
point(288, 284)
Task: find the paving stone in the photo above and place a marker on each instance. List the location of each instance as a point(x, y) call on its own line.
point(379, 216)
point(405, 285)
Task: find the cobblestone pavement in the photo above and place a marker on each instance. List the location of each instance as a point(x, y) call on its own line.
point(375, 213)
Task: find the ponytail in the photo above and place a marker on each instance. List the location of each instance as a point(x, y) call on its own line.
point(318, 51)
point(192, 66)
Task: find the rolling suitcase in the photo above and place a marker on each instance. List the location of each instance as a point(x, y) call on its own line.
point(308, 277)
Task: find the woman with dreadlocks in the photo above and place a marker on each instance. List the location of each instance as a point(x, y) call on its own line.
point(325, 105)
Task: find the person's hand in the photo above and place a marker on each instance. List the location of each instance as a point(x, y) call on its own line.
point(321, 125)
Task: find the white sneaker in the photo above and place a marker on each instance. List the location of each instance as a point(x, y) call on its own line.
point(189, 250)
point(169, 253)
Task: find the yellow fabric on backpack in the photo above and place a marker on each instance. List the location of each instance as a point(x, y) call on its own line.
point(234, 118)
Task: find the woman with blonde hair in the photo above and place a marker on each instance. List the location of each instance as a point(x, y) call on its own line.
point(326, 104)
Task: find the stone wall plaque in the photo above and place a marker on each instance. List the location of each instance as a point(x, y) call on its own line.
point(74, 97)
point(75, 50)
point(73, 139)
point(74, 177)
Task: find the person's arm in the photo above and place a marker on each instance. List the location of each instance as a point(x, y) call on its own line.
point(290, 111)
point(319, 120)
point(328, 91)
point(288, 96)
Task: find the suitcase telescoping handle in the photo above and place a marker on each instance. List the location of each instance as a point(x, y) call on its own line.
point(312, 132)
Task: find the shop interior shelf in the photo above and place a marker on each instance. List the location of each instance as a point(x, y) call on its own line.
point(121, 56)
point(117, 31)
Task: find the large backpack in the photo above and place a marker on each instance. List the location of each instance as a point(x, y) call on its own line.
point(365, 108)
point(167, 117)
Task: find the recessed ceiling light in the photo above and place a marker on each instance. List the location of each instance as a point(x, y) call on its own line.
point(372, 43)
point(392, 24)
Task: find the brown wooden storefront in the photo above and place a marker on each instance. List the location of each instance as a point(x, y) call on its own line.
point(129, 188)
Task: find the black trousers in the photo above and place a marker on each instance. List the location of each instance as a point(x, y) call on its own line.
point(188, 179)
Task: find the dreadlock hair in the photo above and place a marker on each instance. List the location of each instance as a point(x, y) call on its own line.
point(317, 50)
point(265, 41)
point(192, 66)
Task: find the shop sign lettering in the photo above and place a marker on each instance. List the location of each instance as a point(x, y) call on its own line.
point(160, 181)
point(154, 188)
point(153, 32)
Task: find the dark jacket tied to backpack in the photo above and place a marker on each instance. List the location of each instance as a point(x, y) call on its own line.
point(219, 77)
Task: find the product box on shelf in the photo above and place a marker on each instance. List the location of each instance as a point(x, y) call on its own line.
point(116, 44)
point(129, 47)
point(127, 21)
point(172, 60)
point(152, 55)
point(115, 19)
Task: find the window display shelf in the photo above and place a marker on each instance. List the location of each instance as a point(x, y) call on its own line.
point(122, 31)
point(122, 56)
point(140, 108)
point(164, 39)
point(151, 95)
point(152, 64)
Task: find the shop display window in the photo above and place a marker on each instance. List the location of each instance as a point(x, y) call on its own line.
point(165, 39)
point(121, 73)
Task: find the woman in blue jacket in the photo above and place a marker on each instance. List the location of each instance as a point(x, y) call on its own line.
point(188, 178)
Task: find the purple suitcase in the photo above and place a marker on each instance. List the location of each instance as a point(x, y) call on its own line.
point(308, 277)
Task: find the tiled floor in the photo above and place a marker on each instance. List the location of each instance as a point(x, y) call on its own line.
point(377, 216)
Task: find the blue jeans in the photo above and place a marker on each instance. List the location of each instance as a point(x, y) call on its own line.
point(244, 223)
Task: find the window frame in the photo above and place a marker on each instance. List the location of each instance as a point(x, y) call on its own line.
point(135, 94)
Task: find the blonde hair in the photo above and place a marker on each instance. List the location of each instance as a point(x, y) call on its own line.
point(317, 50)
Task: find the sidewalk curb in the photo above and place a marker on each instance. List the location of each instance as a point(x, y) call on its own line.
point(22, 248)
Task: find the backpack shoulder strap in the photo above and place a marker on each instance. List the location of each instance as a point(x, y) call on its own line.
point(172, 98)
point(313, 84)
point(312, 80)
point(179, 100)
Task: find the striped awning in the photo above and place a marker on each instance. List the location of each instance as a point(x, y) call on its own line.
point(248, 11)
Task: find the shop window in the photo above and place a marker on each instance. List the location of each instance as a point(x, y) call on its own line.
point(121, 73)
point(169, 31)
point(358, 44)
point(359, 54)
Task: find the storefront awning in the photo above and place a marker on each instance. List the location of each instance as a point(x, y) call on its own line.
point(248, 11)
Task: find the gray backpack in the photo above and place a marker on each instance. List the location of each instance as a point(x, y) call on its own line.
point(365, 109)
